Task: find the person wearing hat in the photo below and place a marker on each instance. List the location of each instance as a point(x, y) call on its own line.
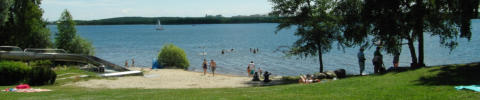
point(361, 60)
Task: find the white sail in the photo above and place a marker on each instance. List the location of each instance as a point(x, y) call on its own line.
point(159, 26)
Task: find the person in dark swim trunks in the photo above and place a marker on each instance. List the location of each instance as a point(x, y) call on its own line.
point(204, 66)
point(213, 66)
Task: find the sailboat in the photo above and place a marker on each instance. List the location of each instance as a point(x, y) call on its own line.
point(159, 26)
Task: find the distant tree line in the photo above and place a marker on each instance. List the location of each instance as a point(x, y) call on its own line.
point(218, 19)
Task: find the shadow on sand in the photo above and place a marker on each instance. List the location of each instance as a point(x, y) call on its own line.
point(467, 74)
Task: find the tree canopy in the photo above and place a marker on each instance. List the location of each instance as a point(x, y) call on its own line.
point(24, 26)
point(67, 37)
point(4, 10)
point(317, 27)
point(352, 23)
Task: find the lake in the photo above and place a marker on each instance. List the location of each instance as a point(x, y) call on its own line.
point(117, 43)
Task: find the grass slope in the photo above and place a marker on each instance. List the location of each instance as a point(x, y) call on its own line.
point(431, 83)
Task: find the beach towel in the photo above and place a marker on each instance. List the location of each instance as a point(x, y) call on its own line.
point(25, 90)
point(23, 86)
point(475, 88)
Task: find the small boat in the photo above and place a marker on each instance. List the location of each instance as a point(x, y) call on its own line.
point(159, 26)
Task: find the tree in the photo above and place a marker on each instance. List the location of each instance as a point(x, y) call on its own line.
point(316, 25)
point(355, 27)
point(394, 21)
point(67, 37)
point(173, 56)
point(25, 27)
point(4, 10)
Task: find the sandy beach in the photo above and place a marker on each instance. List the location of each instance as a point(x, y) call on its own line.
point(170, 78)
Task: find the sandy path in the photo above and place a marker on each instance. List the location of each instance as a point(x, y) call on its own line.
point(168, 78)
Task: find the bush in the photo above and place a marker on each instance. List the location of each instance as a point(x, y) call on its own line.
point(41, 75)
point(43, 63)
point(173, 56)
point(12, 72)
point(82, 46)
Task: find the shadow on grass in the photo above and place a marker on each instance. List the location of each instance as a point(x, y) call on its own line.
point(467, 74)
point(271, 83)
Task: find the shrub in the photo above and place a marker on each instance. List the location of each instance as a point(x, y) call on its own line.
point(82, 46)
point(12, 72)
point(173, 56)
point(43, 63)
point(41, 75)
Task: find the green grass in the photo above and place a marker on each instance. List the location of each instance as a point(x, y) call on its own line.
point(69, 74)
point(431, 83)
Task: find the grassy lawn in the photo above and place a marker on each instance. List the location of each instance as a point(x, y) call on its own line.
point(431, 83)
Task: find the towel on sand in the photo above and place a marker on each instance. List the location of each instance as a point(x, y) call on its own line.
point(475, 88)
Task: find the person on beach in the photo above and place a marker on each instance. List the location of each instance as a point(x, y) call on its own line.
point(126, 63)
point(259, 71)
point(204, 66)
point(256, 77)
point(133, 62)
point(213, 65)
point(377, 60)
point(266, 76)
point(252, 67)
point(396, 59)
point(305, 79)
point(361, 60)
point(248, 71)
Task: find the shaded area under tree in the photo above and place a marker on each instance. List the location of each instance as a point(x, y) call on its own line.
point(453, 75)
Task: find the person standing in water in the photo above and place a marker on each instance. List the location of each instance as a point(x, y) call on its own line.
point(361, 60)
point(213, 66)
point(252, 67)
point(133, 62)
point(204, 66)
point(126, 63)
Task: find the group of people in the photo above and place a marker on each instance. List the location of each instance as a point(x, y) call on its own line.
point(255, 74)
point(223, 51)
point(251, 69)
point(213, 66)
point(307, 79)
point(133, 63)
point(254, 50)
point(377, 61)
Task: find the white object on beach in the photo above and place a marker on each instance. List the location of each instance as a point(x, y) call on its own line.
point(136, 72)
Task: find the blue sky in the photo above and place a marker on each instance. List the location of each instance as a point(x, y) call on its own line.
point(99, 9)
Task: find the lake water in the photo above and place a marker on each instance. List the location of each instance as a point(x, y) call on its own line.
point(117, 43)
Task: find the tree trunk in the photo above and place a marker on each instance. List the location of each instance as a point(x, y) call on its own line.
point(412, 52)
point(420, 51)
point(418, 30)
point(320, 59)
